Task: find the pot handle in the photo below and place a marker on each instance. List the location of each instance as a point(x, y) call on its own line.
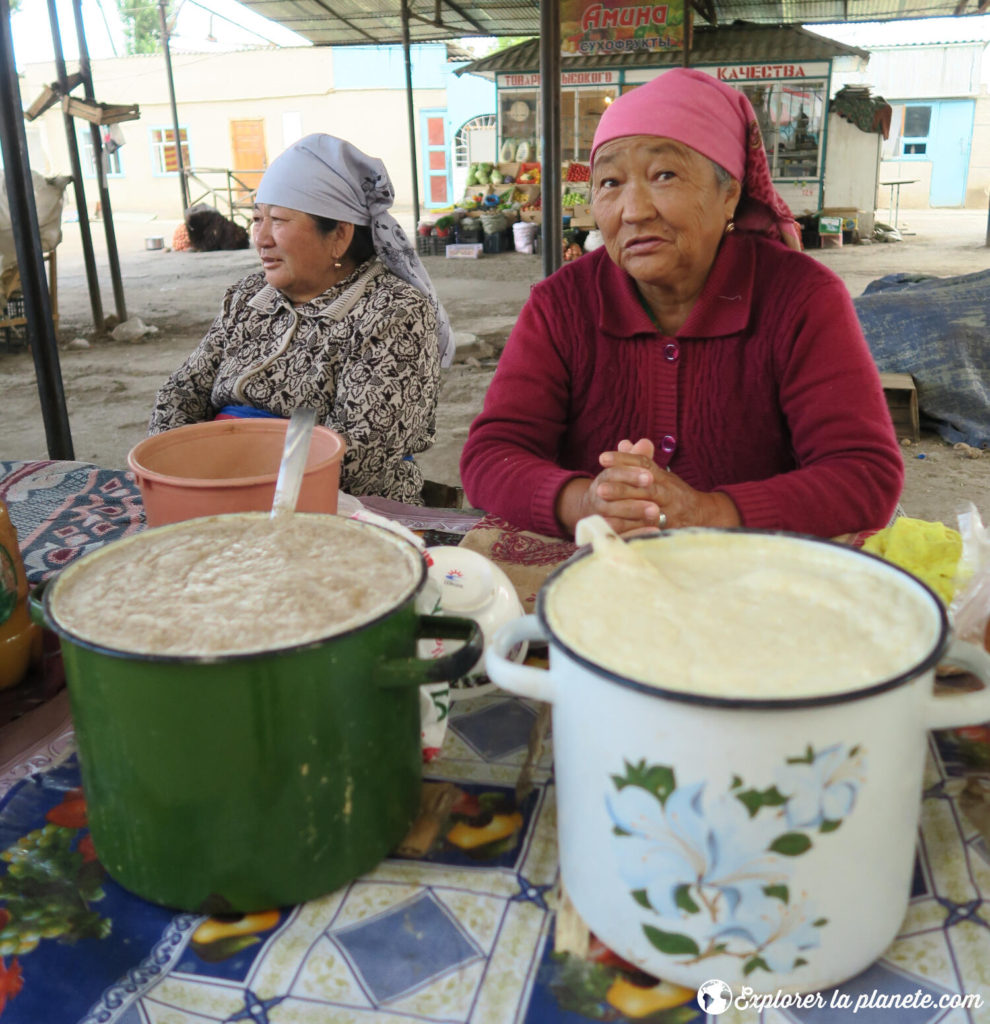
point(523, 680)
point(951, 711)
point(36, 605)
point(417, 671)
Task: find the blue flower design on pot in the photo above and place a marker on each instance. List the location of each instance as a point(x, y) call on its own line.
point(821, 788)
point(684, 843)
point(775, 933)
point(712, 869)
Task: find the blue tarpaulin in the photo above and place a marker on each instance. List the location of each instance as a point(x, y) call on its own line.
point(938, 330)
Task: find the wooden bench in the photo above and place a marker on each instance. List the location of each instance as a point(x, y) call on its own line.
point(902, 401)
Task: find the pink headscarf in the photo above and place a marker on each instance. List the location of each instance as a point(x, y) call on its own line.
point(718, 121)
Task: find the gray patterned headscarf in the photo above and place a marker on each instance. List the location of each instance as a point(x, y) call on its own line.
point(328, 177)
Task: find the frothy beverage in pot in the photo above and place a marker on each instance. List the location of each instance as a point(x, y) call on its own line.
point(235, 584)
point(741, 615)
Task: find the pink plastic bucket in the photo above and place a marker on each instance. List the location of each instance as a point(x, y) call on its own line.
point(230, 465)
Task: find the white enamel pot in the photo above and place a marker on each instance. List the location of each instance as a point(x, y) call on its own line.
point(770, 842)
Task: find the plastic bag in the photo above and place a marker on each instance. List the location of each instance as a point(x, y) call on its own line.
point(967, 748)
point(931, 551)
point(970, 606)
point(133, 329)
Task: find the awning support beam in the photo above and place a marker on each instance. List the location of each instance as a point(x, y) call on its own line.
point(411, 115)
point(437, 20)
point(336, 17)
point(72, 145)
point(552, 235)
point(96, 135)
point(180, 162)
point(27, 247)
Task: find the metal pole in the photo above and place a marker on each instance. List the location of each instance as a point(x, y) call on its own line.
point(552, 233)
point(411, 114)
point(72, 144)
point(688, 32)
point(101, 170)
point(27, 247)
point(183, 184)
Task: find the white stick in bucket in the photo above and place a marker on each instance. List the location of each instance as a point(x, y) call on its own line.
point(293, 464)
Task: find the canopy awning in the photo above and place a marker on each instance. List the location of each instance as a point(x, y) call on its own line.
point(738, 43)
point(379, 22)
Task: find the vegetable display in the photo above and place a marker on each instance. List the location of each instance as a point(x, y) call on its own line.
point(480, 174)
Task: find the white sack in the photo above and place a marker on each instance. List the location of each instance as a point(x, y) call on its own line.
point(49, 194)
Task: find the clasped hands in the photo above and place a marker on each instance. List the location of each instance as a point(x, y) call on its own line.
point(632, 493)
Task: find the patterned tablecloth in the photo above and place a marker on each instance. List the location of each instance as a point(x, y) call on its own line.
point(448, 929)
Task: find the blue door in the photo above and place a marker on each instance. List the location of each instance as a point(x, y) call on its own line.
point(436, 158)
point(952, 138)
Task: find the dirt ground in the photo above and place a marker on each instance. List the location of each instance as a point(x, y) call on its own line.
point(110, 385)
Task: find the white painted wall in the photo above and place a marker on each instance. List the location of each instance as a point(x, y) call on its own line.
point(852, 169)
point(937, 71)
point(291, 89)
point(928, 71)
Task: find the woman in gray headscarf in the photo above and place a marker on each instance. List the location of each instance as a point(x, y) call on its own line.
point(342, 318)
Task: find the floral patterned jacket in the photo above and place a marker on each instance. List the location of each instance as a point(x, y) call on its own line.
point(363, 354)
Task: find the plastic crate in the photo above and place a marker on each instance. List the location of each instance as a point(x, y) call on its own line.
point(15, 307)
point(430, 245)
point(466, 237)
point(13, 337)
point(498, 241)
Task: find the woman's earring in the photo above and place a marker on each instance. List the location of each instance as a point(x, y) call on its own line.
point(730, 226)
point(337, 264)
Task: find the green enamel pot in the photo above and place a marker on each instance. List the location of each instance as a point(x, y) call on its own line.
point(233, 784)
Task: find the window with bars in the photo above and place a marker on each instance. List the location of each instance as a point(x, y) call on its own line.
point(164, 158)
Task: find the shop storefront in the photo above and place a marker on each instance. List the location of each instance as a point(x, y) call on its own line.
point(784, 71)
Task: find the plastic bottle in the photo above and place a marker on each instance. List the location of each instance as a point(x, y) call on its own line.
point(20, 638)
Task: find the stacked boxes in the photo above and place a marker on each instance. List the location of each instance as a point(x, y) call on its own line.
point(830, 231)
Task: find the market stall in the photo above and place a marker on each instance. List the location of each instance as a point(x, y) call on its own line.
point(785, 71)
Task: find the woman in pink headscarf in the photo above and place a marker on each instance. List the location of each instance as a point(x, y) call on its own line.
point(696, 370)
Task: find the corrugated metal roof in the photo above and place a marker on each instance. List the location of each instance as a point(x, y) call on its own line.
point(351, 22)
point(807, 12)
point(346, 22)
point(936, 32)
point(739, 43)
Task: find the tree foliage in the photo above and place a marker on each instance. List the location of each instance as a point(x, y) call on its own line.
point(142, 24)
point(504, 42)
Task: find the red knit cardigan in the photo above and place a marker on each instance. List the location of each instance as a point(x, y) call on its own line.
point(768, 392)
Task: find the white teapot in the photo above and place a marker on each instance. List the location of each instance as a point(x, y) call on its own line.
point(463, 582)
